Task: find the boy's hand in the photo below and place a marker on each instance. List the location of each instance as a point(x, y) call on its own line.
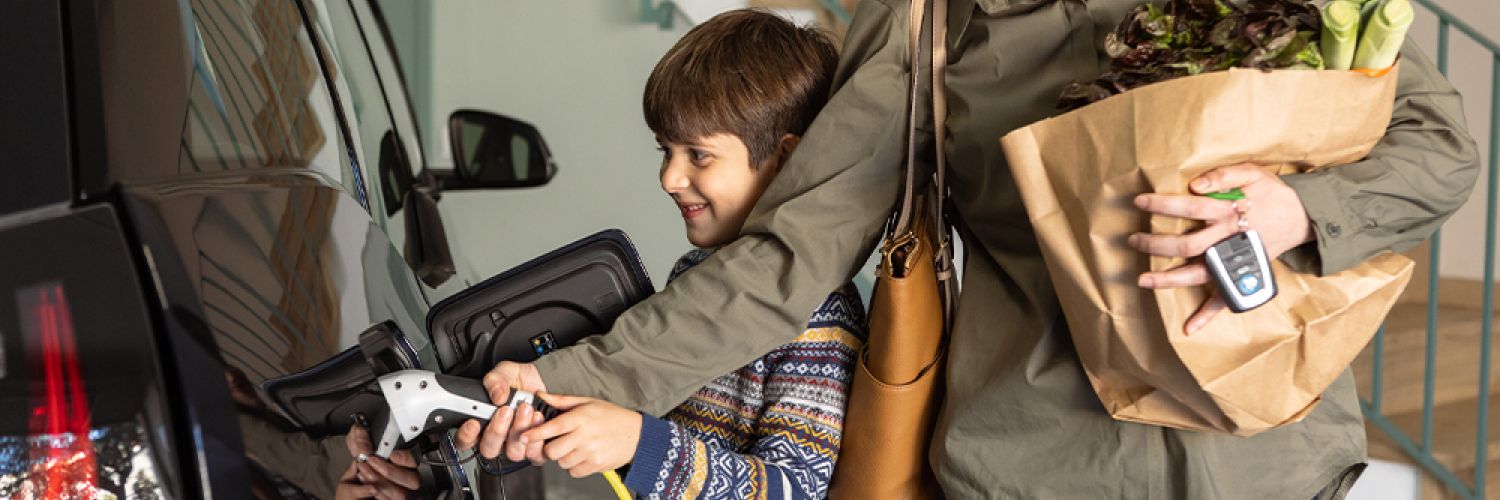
point(498, 382)
point(591, 435)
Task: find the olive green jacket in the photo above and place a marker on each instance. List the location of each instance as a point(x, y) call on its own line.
point(1020, 419)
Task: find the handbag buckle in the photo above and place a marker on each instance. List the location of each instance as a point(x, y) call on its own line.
point(908, 246)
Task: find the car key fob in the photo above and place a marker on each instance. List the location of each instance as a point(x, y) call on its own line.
point(1242, 271)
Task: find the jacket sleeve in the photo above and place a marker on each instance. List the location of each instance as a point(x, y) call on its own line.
point(810, 232)
point(1409, 184)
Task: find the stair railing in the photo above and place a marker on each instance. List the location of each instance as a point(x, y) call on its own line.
point(1422, 452)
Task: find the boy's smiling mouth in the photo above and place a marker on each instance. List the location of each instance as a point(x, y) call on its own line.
point(691, 210)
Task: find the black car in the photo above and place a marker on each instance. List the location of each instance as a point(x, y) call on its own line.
point(199, 196)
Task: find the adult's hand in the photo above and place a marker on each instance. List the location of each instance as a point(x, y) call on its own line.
point(500, 432)
point(375, 477)
point(350, 487)
point(1273, 210)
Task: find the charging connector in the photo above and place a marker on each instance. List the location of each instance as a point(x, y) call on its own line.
point(517, 397)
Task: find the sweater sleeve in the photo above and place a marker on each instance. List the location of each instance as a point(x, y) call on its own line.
point(1419, 174)
point(809, 233)
point(796, 436)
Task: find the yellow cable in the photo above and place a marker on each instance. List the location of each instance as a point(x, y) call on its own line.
point(614, 482)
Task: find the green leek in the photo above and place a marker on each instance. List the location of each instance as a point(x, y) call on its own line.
point(1382, 39)
point(1366, 9)
point(1340, 33)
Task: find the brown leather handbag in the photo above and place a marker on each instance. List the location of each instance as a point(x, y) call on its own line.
point(898, 385)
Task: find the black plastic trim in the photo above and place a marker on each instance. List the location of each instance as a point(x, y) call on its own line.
point(86, 91)
point(34, 128)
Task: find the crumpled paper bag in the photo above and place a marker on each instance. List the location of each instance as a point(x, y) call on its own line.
point(1242, 373)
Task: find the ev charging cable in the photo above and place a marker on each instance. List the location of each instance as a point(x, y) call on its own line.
point(518, 396)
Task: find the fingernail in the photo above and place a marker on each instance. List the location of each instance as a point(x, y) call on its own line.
point(1146, 281)
point(1192, 328)
point(523, 439)
point(1200, 183)
point(1134, 240)
point(1140, 201)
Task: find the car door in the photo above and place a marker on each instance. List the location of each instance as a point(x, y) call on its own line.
point(236, 143)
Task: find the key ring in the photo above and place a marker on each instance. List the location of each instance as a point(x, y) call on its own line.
point(1242, 213)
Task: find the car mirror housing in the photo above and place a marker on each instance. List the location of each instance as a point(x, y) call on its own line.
point(496, 151)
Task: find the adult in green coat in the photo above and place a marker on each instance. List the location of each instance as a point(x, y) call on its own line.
point(1020, 419)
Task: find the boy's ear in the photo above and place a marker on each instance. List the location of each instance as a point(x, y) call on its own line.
point(784, 150)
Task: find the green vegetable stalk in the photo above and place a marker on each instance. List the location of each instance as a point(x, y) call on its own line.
point(1383, 35)
point(1340, 33)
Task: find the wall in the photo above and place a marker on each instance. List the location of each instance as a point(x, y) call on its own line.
point(575, 69)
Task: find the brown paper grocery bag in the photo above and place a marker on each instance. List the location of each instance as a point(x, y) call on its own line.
point(1243, 373)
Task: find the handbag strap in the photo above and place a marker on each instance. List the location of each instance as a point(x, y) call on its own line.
point(939, 47)
point(940, 96)
point(914, 44)
point(942, 254)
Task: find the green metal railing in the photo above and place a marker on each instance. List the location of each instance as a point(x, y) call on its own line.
point(1422, 451)
point(838, 10)
point(660, 14)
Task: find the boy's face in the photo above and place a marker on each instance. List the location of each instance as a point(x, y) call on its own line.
point(714, 187)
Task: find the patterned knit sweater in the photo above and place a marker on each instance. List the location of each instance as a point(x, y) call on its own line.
point(768, 430)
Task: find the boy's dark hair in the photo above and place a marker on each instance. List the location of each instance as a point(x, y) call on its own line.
point(745, 72)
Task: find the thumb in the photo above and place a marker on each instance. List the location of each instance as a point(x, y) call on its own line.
point(1205, 313)
point(1227, 177)
point(563, 402)
point(358, 441)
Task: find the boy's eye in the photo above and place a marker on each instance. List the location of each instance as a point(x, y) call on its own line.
point(698, 154)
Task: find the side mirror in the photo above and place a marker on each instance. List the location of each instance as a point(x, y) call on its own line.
point(494, 151)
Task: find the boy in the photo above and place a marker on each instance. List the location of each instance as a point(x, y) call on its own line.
point(728, 104)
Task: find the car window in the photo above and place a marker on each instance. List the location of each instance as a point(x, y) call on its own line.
point(217, 85)
point(383, 50)
point(386, 126)
point(383, 141)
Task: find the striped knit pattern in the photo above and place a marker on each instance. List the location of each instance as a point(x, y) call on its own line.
point(768, 430)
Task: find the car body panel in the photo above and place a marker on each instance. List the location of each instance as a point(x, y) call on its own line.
point(216, 173)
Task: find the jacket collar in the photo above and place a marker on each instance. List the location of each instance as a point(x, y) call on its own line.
point(959, 12)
